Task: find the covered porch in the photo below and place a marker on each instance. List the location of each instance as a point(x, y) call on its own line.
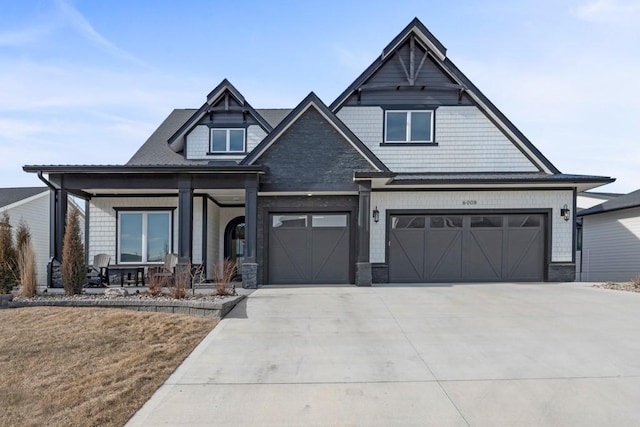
point(137, 214)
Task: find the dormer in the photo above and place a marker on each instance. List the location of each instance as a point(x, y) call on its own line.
point(226, 128)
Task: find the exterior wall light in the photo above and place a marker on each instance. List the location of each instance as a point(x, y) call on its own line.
point(565, 212)
point(376, 214)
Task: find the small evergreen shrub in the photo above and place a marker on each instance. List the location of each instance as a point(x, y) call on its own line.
point(73, 266)
point(8, 256)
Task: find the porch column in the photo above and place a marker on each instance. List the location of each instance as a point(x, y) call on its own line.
point(185, 220)
point(363, 264)
point(59, 203)
point(250, 265)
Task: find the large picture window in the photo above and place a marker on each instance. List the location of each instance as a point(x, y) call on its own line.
point(143, 237)
point(227, 140)
point(408, 126)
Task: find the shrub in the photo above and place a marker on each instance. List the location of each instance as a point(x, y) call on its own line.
point(181, 279)
point(635, 282)
point(8, 256)
point(155, 281)
point(73, 265)
point(27, 267)
point(222, 275)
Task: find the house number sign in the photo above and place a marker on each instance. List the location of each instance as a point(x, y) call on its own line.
point(469, 202)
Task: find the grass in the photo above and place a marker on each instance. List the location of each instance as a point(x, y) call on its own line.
point(86, 366)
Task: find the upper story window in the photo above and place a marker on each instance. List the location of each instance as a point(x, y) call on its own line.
point(408, 126)
point(230, 140)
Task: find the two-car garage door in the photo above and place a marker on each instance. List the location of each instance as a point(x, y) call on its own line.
point(453, 248)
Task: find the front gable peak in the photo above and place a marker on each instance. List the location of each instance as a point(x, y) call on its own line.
point(222, 102)
point(313, 103)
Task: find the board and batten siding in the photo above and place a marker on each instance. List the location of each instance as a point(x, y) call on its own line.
point(467, 142)
point(197, 145)
point(611, 246)
point(561, 231)
point(103, 218)
point(35, 212)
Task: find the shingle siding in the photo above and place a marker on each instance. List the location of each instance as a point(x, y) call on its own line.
point(197, 145)
point(103, 218)
point(561, 231)
point(467, 142)
point(611, 246)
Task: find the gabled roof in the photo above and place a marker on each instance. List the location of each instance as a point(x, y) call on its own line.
point(10, 196)
point(631, 200)
point(156, 151)
point(312, 101)
point(438, 52)
point(176, 141)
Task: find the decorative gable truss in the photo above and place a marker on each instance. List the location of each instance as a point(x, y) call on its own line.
point(464, 131)
point(226, 127)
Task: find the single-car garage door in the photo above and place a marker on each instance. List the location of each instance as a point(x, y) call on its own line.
point(454, 248)
point(309, 248)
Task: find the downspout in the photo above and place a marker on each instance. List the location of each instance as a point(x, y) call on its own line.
point(46, 182)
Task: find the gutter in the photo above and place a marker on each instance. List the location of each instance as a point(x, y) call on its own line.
point(46, 182)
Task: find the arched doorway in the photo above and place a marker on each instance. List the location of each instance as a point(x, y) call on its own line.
point(234, 243)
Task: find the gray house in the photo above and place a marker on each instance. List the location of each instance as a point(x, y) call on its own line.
point(611, 239)
point(410, 175)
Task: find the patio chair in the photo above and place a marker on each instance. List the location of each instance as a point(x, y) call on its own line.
point(166, 272)
point(98, 272)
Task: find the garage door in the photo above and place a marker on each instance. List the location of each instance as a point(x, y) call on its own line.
point(454, 248)
point(309, 248)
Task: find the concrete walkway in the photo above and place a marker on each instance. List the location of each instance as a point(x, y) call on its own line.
point(451, 355)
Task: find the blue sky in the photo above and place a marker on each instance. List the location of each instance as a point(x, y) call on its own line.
point(86, 82)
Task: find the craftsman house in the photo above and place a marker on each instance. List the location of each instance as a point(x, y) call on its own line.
point(410, 175)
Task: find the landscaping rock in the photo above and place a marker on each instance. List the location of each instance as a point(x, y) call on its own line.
point(4, 300)
point(115, 293)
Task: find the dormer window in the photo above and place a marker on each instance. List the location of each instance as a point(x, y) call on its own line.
point(231, 140)
point(406, 126)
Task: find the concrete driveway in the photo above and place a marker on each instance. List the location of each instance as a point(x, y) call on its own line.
point(479, 355)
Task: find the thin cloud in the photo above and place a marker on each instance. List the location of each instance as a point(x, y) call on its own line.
point(82, 25)
point(615, 11)
point(24, 37)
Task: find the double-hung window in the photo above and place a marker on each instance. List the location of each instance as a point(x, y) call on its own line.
point(143, 236)
point(408, 126)
point(231, 140)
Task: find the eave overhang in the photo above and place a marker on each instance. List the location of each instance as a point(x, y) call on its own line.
point(396, 181)
point(153, 169)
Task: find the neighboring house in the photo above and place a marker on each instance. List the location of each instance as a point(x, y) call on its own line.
point(611, 239)
point(410, 175)
point(589, 199)
point(30, 204)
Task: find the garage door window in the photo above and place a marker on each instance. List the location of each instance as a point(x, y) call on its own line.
point(445, 222)
point(408, 222)
point(524, 221)
point(289, 221)
point(486, 221)
point(326, 221)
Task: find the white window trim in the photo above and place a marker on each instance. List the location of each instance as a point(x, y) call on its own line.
point(228, 140)
point(145, 215)
point(408, 126)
